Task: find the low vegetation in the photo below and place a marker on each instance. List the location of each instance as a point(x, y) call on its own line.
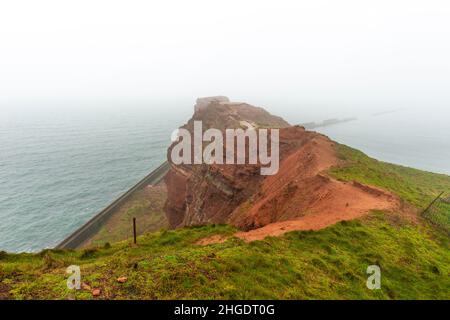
point(416, 187)
point(413, 254)
point(327, 264)
point(146, 205)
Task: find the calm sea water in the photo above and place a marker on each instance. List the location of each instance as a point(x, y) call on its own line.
point(58, 167)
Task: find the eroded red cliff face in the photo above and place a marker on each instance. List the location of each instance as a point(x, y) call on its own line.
point(203, 193)
point(240, 195)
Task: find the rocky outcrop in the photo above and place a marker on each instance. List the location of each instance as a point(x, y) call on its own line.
point(202, 103)
point(238, 194)
point(209, 193)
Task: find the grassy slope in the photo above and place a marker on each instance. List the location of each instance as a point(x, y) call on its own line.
point(417, 187)
point(146, 205)
point(330, 263)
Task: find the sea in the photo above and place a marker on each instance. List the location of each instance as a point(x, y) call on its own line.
point(59, 166)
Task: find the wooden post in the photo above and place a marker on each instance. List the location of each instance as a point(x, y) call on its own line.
point(134, 230)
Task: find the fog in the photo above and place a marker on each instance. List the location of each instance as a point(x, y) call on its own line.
point(326, 56)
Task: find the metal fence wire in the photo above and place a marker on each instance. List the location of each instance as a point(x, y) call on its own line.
point(438, 212)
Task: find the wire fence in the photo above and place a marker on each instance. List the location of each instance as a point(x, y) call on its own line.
point(438, 212)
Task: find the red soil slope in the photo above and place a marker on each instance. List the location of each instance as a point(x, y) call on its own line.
point(302, 191)
point(299, 197)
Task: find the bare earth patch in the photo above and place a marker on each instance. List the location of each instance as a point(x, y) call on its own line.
point(4, 292)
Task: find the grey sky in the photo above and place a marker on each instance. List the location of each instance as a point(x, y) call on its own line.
point(347, 52)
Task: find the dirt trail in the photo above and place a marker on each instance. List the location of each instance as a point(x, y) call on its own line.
point(315, 221)
point(326, 216)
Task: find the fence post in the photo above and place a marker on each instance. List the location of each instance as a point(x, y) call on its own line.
point(134, 230)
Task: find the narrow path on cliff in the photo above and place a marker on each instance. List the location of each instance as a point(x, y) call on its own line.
point(310, 222)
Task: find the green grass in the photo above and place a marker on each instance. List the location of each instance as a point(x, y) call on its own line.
point(146, 205)
point(416, 187)
point(327, 264)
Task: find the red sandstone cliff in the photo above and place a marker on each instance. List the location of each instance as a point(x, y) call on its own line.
point(238, 194)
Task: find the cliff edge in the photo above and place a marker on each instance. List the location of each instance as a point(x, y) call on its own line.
point(299, 196)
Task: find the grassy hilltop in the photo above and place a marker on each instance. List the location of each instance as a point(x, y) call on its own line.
point(413, 254)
